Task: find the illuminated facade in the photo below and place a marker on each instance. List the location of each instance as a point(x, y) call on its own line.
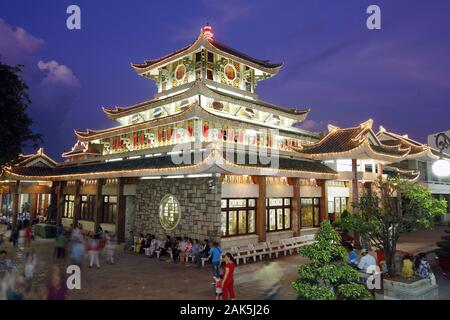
point(206, 158)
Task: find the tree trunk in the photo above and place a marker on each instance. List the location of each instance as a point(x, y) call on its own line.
point(389, 255)
point(393, 271)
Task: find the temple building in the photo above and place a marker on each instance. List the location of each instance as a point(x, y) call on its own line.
point(206, 158)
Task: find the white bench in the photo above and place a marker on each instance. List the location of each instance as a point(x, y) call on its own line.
point(289, 245)
point(260, 250)
point(243, 253)
point(295, 243)
point(275, 247)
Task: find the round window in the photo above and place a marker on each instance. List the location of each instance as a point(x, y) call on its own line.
point(180, 72)
point(230, 72)
point(169, 212)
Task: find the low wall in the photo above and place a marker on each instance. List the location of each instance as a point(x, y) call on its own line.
point(418, 290)
point(280, 235)
point(66, 222)
point(238, 241)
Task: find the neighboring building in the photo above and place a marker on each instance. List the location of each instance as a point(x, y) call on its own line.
point(207, 159)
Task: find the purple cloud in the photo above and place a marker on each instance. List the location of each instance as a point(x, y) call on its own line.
point(53, 87)
point(17, 43)
point(58, 74)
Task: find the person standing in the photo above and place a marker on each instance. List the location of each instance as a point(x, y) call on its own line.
point(15, 236)
point(93, 250)
point(215, 254)
point(57, 288)
point(28, 271)
point(110, 247)
point(218, 287)
point(59, 246)
point(228, 277)
point(59, 229)
point(28, 235)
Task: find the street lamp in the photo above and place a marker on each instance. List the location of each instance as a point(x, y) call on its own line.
point(441, 167)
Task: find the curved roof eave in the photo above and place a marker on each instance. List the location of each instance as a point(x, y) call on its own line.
point(194, 110)
point(201, 41)
point(200, 87)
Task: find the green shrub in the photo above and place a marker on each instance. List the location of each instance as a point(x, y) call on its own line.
point(327, 276)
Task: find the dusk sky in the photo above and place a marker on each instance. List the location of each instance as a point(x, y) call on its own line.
point(399, 75)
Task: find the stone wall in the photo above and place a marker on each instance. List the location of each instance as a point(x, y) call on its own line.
point(199, 204)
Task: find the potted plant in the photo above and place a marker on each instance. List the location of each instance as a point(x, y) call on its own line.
point(443, 253)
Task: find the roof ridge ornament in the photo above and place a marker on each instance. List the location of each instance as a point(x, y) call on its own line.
point(207, 31)
point(332, 128)
point(367, 124)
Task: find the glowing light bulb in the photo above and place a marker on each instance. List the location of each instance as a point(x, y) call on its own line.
point(441, 168)
point(207, 31)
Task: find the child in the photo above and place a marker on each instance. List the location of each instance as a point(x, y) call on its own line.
point(218, 287)
point(110, 247)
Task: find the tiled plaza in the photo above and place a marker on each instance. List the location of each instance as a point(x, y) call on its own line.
point(139, 277)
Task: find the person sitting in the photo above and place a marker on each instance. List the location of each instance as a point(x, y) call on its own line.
point(153, 244)
point(196, 253)
point(147, 241)
point(366, 260)
point(408, 267)
point(138, 243)
point(422, 266)
point(167, 245)
point(182, 247)
point(176, 249)
point(204, 253)
point(188, 248)
point(352, 259)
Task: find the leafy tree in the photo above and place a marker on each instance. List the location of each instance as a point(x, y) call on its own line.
point(328, 276)
point(395, 207)
point(16, 132)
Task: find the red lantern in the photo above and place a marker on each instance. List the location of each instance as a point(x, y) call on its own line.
point(142, 138)
point(190, 129)
point(168, 134)
point(134, 139)
point(205, 129)
point(159, 136)
point(230, 135)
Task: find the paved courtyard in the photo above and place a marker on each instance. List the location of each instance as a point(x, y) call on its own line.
point(139, 277)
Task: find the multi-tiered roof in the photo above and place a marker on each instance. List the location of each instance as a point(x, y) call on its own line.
point(205, 95)
point(206, 84)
